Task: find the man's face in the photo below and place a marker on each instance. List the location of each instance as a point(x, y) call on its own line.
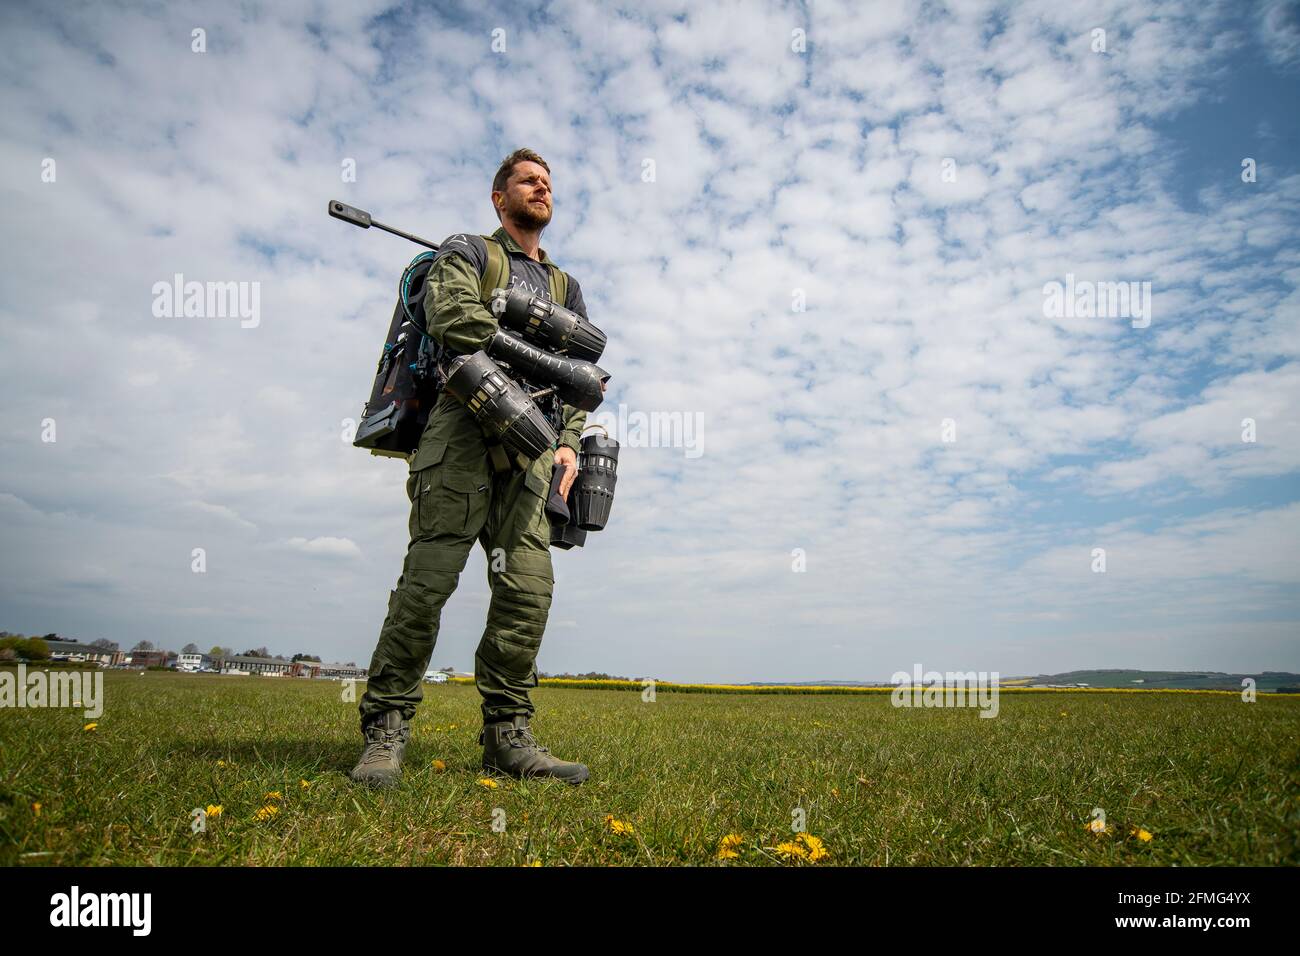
point(527, 196)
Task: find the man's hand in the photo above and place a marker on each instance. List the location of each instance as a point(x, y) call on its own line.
point(564, 455)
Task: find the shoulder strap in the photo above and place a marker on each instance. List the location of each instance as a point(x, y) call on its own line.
point(559, 285)
point(497, 273)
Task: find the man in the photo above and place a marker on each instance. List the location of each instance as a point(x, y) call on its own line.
point(458, 496)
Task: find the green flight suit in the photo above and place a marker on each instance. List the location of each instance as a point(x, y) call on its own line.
point(457, 498)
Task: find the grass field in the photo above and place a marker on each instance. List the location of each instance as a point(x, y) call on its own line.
point(1210, 779)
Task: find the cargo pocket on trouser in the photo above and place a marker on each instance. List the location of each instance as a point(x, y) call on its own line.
point(457, 505)
point(446, 501)
point(528, 526)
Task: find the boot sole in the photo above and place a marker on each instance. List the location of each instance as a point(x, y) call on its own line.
point(376, 783)
point(575, 781)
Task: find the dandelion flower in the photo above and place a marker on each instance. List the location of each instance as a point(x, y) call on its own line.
point(1141, 834)
point(304, 784)
point(36, 809)
point(438, 766)
point(791, 851)
point(487, 782)
point(1096, 825)
point(214, 810)
point(90, 726)
point(621, 827)
point(267, 812)
point(274, 795)
point(728, 846)
point(816, 849)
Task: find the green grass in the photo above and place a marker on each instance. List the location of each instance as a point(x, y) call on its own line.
point(1214, 780)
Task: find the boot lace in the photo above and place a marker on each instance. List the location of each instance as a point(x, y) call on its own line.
point(525, 738)
point(381, 747)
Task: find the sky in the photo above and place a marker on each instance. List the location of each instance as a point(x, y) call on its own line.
point(820, 233)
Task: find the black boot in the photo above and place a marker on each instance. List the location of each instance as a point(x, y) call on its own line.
point(509, 748)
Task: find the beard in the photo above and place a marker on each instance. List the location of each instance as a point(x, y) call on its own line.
point(529, 216)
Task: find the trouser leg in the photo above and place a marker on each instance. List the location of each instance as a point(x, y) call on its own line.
point(406, 641)
point(521, 577)
point(450, 498)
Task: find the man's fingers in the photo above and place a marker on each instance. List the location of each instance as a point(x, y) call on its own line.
point(570, 473)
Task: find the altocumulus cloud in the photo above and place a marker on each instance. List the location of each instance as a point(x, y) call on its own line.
point(838, 263)
point(325, 547)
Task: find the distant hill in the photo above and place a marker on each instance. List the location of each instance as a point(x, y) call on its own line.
point(1187, 680)
point(1265, 682)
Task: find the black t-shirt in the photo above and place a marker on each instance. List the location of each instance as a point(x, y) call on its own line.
point(524, 271)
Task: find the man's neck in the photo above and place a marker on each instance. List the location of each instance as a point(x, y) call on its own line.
point(529, 241)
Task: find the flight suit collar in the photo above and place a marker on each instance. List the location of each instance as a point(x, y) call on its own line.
point(508, 243)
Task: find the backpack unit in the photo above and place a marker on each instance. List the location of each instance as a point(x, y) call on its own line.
point(409, 376)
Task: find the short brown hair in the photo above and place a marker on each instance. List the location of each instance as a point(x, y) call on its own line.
point(521, 155)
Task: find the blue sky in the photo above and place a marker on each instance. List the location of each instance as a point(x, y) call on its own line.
point(780, 174)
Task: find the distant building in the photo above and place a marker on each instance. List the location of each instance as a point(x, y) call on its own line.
point(305, 669)
point(193, 662)
point(272, 667)
point(76, 652)
point(155, 658)
point(341, 671)
point(266, 666)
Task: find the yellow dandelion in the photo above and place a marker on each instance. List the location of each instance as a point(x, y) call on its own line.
point(36, 809)
point(487, 782)
point(304, 784)
point(728, 846)
point(274, 795)
point(621, 827)
point(90, 726)
point(221, 763)
point(438, 766)
point(267, 812)
point(1141, 834)
point(816, 848)
point(1096, 825)
point(835, 791)
point(534, 863)
point(214, 810)
point(1064, 714)
point(791, 851)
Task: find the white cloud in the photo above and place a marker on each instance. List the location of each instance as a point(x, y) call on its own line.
point(776, 171)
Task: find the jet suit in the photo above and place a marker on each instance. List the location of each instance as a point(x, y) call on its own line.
point(457, 497)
